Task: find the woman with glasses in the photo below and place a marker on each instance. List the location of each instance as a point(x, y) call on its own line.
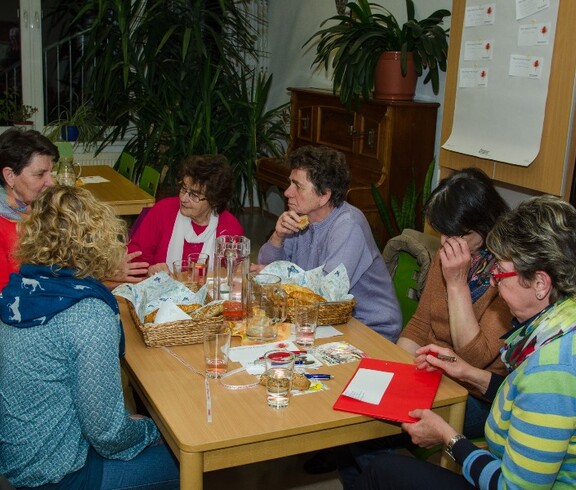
point(175, 227)
point(531, 428)
point(458, 309)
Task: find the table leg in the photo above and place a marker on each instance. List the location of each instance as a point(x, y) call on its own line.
point(191, 470)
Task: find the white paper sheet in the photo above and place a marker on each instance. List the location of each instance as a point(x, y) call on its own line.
point(93, 179)
point(368, 385)
point(500, 103)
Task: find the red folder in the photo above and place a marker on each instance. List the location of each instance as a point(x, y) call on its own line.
point(410, 388)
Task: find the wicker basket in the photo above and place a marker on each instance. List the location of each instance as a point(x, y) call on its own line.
point(179, 332)
point(331, 312)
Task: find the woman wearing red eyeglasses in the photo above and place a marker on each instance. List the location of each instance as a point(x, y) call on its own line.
point(531, 428)
point(458, 309)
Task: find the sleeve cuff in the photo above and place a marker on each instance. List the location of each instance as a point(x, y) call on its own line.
point(495, 382)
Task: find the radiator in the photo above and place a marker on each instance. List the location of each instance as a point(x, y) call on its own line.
point(104, 158)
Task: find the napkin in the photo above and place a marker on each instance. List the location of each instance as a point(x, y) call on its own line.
point(333, 286)
point(154, 292)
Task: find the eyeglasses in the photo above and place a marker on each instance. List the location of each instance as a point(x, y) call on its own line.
point(192, 195)
point(498, 276)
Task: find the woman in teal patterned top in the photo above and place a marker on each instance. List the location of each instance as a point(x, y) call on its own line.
point(62, 418)
point(531, 429)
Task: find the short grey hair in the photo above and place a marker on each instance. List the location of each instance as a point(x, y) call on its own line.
point(539, 235)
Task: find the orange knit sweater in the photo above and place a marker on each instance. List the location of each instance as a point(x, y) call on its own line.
point(430, 324)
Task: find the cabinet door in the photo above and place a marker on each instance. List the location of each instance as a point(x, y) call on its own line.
point(335, 128)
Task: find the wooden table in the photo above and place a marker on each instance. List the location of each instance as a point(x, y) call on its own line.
point(244, 429)
point(122, 194)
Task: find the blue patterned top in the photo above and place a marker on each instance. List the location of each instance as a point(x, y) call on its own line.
point(61, 394)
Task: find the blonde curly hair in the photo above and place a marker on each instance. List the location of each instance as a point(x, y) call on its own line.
point(69, 228)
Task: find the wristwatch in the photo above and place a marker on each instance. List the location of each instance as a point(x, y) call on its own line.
point(451, 443)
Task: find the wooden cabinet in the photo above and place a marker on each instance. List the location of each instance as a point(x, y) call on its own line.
point(387, 144)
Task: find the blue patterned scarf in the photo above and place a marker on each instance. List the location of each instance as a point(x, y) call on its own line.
point(479, 274)
point(37, 293)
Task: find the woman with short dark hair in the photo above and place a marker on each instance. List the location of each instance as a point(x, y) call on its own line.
point(175, 227)
point(458, 308)
point(26, 161)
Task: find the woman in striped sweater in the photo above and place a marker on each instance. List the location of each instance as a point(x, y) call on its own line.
point(531, 429)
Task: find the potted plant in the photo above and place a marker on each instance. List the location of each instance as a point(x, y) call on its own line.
point(13, 111)
point(406, 212)
point(82, 125)
point(357, 41)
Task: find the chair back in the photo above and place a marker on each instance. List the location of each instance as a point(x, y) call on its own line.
point(408, 257)
point(65, 149)
point(126, 165)
point(149, 180)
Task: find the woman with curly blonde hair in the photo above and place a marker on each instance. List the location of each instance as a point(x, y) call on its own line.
point(62, 415)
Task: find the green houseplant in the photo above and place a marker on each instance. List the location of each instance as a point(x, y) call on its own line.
point(407, 212)
point(180, 78)
point(356, 41)
point(13, 111)
point(82, 125)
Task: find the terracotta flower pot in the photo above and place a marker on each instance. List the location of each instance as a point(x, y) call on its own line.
point(389, 84)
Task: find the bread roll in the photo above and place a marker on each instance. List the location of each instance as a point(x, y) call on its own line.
point(301, 294)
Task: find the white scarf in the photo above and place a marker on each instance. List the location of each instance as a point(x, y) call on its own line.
point(183, 230)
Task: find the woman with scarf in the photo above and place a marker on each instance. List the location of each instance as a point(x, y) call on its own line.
point(26, 162)
point(458, 308)
point(175, 227)
point(62, 415)
point(531, 429)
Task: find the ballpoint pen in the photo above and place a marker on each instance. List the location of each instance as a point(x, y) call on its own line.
point(318, 376)
point(443, 357)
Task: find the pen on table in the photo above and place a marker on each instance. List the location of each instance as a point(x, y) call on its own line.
point(300, 361)
point(318, 376)
point(443, 357)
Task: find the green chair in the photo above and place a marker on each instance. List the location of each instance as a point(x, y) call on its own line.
point(126, 165)
point(65, 149)
point(408, 257)
point(149, 180)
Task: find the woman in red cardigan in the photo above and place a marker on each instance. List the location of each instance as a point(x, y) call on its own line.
point(175, 227)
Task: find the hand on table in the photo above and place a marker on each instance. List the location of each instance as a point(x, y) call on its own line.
point(425, 359)
point(132, 272)
point(256, 268)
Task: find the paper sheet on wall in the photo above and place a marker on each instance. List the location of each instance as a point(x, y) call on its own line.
point(503, 74)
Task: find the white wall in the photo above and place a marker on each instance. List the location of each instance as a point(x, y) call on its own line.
point(293, 22)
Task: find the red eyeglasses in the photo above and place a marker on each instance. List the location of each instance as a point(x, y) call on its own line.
point(498, 276)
